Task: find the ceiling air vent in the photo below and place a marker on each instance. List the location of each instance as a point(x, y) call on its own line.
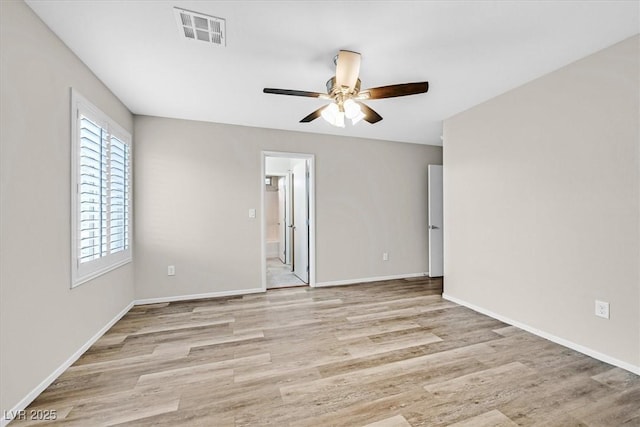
point(198, 26)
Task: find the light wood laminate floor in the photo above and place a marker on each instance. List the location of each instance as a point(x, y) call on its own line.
point(384, 354)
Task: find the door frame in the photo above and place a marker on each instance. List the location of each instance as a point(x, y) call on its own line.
point(279, 175)
point(286, 207)
point(312, 212)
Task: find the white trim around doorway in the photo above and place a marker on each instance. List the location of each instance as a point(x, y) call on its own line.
point(312, 212)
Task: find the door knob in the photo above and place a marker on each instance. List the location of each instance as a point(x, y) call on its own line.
point(433, 227)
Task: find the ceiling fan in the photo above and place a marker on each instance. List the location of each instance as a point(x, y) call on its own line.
point(343, 90)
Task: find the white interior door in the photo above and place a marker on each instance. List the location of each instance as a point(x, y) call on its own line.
point(436, 266)
point(300, 221)
point(282, 224)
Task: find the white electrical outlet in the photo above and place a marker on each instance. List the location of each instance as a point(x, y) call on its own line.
point(171, 270)
point(385, 256)
point(602, 309)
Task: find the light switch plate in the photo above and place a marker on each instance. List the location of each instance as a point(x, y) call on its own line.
point(171, 270)
point(252, 213)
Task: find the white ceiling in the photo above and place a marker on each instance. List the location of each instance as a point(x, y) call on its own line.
point(469, 51)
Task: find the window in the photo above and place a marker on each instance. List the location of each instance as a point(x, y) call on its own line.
point(100, 192)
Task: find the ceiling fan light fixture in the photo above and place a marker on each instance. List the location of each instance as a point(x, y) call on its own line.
point(330, 112)
point(355, 120)
point(351, 109)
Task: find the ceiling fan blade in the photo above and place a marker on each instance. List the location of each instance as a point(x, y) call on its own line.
point(311, 117)
point(347, 69)
point(294, 92)
point(392, 91)
point(369, 115)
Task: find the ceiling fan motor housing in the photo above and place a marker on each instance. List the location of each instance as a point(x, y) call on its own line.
point(341, 94)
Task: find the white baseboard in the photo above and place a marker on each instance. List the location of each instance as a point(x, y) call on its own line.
point(566, 343)
point(368, 279)
point(55, 374)
point(197, 296)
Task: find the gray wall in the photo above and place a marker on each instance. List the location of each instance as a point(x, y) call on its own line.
point(195, 183)
point(542, 211)
point(42, 321)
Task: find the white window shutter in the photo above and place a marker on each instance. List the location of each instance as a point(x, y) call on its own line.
point(118, 195)
point(101, 192)
point(93, 191)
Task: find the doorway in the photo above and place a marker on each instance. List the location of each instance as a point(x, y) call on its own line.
point(288, 214)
